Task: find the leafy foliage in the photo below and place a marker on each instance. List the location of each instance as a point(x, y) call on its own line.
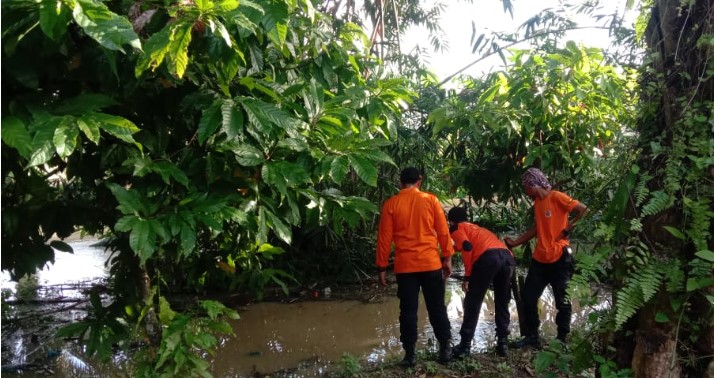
point(191, 133)
point(99, 331)
point(186, 339)
point(560, 109)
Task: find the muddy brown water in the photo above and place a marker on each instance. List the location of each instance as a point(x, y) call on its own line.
point(306, 337)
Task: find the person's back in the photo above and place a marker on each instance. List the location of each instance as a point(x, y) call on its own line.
point(410, 217)
point(482, 238)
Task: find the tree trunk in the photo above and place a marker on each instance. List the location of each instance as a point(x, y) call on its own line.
point(151, 320)
point(655, 353)
point(680, 52)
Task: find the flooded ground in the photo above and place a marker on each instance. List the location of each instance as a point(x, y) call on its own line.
point(303, 336)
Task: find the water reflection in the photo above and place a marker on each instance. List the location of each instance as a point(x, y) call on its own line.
point(85, 264)
point(308, 336)
point(304, 339)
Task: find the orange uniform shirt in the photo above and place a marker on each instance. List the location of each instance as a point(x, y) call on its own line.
point(415, 222)
point(551, 218)
point(481, 240)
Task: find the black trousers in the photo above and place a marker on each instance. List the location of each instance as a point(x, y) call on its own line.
point(557, 275)
point(495, 265)
point(433, 286)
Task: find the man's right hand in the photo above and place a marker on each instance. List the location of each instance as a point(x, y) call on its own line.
point(383, 278)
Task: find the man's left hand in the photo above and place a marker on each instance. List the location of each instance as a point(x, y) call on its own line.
point(383, 278)
point(565, 234)
point(446, 267)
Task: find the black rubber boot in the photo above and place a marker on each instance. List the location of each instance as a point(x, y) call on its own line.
point(563, 338)
point(444, 353)
point(409, 359)
point(530, 340)
point(502, 347)
point(462, 350)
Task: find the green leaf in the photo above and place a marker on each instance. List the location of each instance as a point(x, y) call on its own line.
point(159, 229)
point(125, 223)
point(378, 156)
point(262, 235)
point(204, 341)
point(166, 314)
point(65, 138)
point(694, 284)
point(675, 232)
point(54, 17)
point(15, 135)
point(248, 155)
point(73, 330)
point(293, 217)
point(119, 127)
point(179, 49)
point(264, 115)
point(222, 32)
point(544, 360)
point(275, 21)
point(168, 170)
point(338, 169)
point(283, 231)
point(156, 49)
point(228, 67)
point(109, 29)
point(142, 240)
point(43, 148)
point(364, 169)
point(61, 246)
point(204, 5)
point(228, 5)
point(187, 239)
point(210, 120)
point(213, 308)
point(90, 127)
point(283, 174)
point(294, 144)
point(232, 123)
point(661, 317)
point(129, 200)
point(705, 255)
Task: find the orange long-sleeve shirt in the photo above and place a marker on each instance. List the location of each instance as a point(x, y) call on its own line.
point(414, 221)
point(481, 240)
point(551, 218)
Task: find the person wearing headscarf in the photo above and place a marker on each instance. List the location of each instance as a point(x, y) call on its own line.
point(486, 261)
point(414, 222)
point(552, 260)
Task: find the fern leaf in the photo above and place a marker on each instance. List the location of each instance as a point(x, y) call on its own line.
point(659, 202)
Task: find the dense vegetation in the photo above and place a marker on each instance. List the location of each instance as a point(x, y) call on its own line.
point(223, 145)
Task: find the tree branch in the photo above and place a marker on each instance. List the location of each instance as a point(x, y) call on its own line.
point(524, 39)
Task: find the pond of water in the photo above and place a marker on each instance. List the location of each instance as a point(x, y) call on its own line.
point(302, 338)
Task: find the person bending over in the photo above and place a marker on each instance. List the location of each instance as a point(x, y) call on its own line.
point(486, 260)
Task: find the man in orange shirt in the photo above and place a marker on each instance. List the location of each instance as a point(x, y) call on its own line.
point(414, 222)
point(486, 260)
point(552, 260)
